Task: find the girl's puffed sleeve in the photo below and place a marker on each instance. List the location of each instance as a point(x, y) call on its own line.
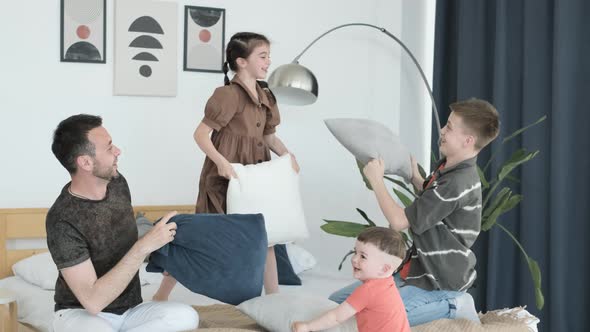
point(221, 107)
point(273, 118)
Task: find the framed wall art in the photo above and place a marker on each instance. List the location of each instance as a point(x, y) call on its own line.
point(145, 48)
point(204, 39)
point(83, 31)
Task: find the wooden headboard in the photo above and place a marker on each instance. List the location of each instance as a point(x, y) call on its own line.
point(30, 224)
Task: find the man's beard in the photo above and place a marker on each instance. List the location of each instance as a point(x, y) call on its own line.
point(106, 174)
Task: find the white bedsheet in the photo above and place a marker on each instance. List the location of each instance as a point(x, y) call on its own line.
point(35, 305)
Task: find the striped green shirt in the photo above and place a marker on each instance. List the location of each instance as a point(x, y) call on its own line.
point(445, 221)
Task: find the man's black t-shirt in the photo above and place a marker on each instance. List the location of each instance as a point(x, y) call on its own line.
point(102, 231)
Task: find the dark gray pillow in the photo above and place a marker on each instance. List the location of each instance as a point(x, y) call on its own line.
point(368, 139)
point(221, 256)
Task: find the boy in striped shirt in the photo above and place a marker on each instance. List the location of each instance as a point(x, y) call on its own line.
point(444, 220)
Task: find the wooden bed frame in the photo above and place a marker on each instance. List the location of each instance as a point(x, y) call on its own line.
point(30, 224)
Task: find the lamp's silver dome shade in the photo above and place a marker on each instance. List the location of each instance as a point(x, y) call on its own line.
point(294, 84)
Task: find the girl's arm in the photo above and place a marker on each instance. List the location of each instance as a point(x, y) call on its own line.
point(203, 140)
point(334, 317)
point(276, 145)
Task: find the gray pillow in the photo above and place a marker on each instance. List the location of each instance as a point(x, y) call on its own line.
point(276, 312)
point(144, 225)
point(368, 139)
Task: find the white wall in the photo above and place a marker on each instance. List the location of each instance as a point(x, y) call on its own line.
point(360, 75)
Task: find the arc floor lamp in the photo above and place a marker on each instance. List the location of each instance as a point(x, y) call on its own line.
point(294, 84)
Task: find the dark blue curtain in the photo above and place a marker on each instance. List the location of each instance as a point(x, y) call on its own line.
point(529, 58)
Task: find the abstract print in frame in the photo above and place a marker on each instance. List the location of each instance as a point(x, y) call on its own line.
point(145, 48)
point(204, 39)
point(83, 31)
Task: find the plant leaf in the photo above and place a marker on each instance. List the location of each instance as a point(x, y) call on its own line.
point(534, 269)
point(499, 196)
point(482, 178)
point(403, 198)
point(360, 167)
point(521, 130)
point(511, 203)
point(492, 213)
point(407, 240)
point(518, 157)
point(514, 134)
point(343, 228)
point(344, 259)
point(536, 274)
point(512, 178)
point(421, 171)
point(539, 298)
point(328, 220)
point(401, 184)
point(364, 215)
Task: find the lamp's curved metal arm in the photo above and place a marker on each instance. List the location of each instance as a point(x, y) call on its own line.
point(434, 109)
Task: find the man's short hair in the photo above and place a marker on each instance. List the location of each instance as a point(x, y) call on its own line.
point(480, 117)
point(70, 139)
point(385, 239)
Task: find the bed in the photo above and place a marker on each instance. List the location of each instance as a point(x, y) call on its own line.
point(34, 305)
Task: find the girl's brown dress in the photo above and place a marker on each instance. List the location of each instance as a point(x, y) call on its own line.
point(239, 122)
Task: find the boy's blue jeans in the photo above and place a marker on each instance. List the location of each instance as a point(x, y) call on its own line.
point(422, 306)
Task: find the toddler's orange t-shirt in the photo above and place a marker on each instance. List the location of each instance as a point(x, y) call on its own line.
point(379, 307)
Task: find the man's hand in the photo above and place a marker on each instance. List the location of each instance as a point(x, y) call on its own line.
point(226, 170)
point(299, 327)
point(161, 234)
point(374, 170)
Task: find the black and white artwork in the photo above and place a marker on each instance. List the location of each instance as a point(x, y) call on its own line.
point(145, 48)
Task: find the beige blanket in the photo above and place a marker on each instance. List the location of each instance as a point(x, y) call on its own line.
point(226, 318)
point(490, 321)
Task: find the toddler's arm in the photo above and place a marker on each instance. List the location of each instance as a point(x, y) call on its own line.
point(330, 319)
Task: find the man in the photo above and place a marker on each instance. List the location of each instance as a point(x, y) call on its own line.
point(92, 238)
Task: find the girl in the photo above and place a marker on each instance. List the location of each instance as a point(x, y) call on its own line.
point(242, 115)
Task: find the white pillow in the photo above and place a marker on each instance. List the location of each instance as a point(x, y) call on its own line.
point(39, 270)
point(270, 188)
point(301, 259)
point(276, 312)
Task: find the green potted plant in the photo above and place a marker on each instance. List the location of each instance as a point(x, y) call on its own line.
point(497, 199)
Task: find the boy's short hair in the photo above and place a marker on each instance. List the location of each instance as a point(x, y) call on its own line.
point(385, 239)
point(479, 116)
